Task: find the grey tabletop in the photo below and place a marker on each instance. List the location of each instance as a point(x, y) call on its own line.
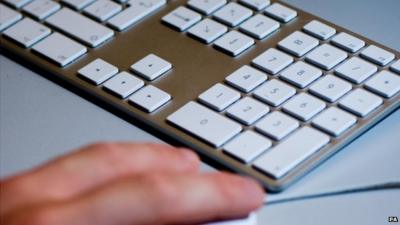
point(40, 120)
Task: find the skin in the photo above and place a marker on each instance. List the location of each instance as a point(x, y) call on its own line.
point(125, 184)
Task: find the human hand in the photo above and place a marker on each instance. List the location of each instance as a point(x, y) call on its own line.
point(125, 184)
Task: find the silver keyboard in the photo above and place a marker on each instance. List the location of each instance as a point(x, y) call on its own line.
point(315, 86)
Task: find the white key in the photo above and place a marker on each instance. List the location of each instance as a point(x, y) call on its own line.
point(59, 49)
point(98, 71)
point(300, 74)
point(247, 146)
point(330, 88)
point(247, 110)
point(88, 31)
point(395, 67)
point(123, 84)
point(234, 43)
point(298, 43)
point(137, 10)
point(277, 125)
point(256, 4)
point(233, 14)
point(77, 4)
point(182, 18)
point(287, 155)
point(41, 9)
point(8, 17)
point(149, 98)
point(360, 102)
point(17, 3)
point(348, 42)
point(334, 121)
point(27, 32)
point(280, 12)
point(259, 26)
point(246, 78)
point(207, 30)
point(219, 97)
point(326, 56)
point(319, 30)
point(274, 92)
point(377, 55)
point(384, 83)
point(103, 9)
point(205, 123)
point(356, 70)
point(272, 61)
point(205, 6)
point(304, 106)
point(151, 67)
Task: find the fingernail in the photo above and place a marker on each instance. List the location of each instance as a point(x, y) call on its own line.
point(254, 190)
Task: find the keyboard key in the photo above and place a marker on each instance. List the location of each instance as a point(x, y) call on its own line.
point(291, 152)
point(102, 10)
point(395, 67)
point(277, 125)
point(8, 17)
point(259, 26)
point(300, 74)
point(384, 83)
point(219, 97)
point(59, 49)
point(88, 31)
point(298, 43)
point(98, 71)
point(17, 3)
point(123, 84)
point(233, 14)
point(334, 121)
point(280, 12)
point(330, 88)
point(356, 70)
point(360, 102)
point(151, 67)
point(326, 56)
point(274, 92)
point(77, 4)
point(348, 42)
point(137, 10)
point(182, 18)
point(207, 30)
point(234, 43)
point(304, 106)
point(256, 4)
point(247, 146)
point(27, 32)
point(149, 98)
point(205, 123)
point(377, 55)
point(272, 61)
point(205, 6)
point(41, 9)
point(246, 78)
point(319, 30)
point(247, 110)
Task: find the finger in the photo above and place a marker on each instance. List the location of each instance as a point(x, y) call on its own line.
point(92, 166)
point(158, 199)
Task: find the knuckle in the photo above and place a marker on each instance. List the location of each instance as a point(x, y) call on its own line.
point(163, 188)
point(105, 148)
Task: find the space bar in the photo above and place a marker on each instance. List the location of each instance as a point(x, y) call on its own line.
point(205, 123)
point(80, 27)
